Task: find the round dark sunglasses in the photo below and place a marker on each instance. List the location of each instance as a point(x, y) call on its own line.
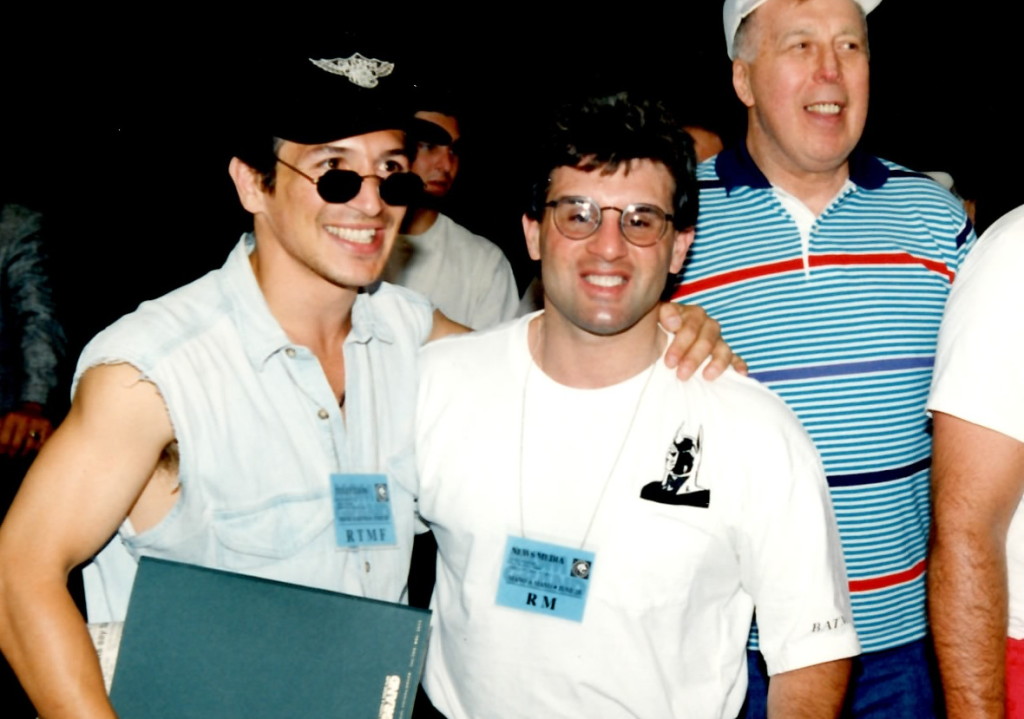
point(336, 186)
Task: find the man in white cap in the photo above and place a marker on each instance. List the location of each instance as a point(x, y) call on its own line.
point(216, 424)
point(976, 567)
point(829, 270)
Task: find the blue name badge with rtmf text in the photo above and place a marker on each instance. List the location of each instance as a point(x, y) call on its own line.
point(362, 510)
point(545, 578)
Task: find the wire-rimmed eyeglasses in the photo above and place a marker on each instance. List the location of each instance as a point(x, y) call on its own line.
point(580, 217)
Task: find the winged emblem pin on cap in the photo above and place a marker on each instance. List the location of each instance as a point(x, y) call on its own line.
point(362, 71)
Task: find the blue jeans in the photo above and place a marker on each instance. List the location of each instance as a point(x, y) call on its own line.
point(899, 683)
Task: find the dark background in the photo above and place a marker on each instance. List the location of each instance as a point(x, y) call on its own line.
point(114, 119)
point(115, 126)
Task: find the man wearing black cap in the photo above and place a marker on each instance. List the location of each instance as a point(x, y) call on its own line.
point(215, 424)
point(220, 424)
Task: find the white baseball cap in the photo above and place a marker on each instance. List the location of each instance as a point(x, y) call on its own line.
point(734, 11)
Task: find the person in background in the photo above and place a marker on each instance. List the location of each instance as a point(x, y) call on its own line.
point(465, 275)
point(32, 343)
point(32, 350)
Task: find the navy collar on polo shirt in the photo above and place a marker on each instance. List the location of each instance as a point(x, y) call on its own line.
point(736, 168)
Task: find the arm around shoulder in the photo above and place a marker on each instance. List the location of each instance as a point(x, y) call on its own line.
point(83, 484)
point(443, 327)
point(696, 336)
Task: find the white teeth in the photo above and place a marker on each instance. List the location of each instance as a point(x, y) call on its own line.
point(825, 108)
point(362, 237)
point(605, 280)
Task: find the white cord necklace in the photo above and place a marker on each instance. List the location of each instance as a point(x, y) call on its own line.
point(618, 454)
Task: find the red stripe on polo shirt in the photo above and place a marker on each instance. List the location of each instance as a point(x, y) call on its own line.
point(881, 258)
point(887, 580)
point(796, 264)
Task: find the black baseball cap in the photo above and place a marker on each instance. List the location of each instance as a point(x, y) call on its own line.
point(320, 97)
point(330, 97)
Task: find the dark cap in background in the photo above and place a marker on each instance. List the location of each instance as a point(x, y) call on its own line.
point(421, 130)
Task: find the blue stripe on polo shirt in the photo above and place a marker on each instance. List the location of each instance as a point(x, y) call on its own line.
point(886, 475)
point(880, 365)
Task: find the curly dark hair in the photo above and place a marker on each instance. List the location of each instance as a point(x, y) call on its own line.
point(602, 133)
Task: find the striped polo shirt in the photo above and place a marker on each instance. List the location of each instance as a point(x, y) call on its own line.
point(845, 332)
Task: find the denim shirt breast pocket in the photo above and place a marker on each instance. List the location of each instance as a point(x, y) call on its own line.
point(273, 530)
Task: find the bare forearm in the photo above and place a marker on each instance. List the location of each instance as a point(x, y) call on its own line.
point(977, 483)
point(46, 642)
point(967, 605)
point(814, 692)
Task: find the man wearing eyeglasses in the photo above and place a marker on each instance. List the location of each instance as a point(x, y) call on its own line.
point(605, 531)
point(217, 424)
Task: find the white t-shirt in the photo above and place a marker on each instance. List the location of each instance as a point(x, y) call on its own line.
point(978, 368)
point(674, 584)
point(466, 276)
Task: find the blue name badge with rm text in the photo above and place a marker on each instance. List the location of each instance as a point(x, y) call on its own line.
point(362, 510)
point(545, 578)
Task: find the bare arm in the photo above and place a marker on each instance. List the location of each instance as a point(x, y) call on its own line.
point(815, 692)
point(444, 327)
point(81, 487)
point(977, 481)
point(696, 337)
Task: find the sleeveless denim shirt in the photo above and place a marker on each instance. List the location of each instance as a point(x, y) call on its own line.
point(260, 431)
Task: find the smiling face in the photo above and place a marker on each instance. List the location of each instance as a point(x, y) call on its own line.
point(346, 244)
point(805, 83)
point(603, 285)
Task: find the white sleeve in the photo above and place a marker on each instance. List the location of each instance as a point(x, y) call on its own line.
point(791, 559)
point(499, 294)
point(978, 374)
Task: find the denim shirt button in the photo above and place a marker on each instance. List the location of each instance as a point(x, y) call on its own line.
point(290, 351)
point(323, 414)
